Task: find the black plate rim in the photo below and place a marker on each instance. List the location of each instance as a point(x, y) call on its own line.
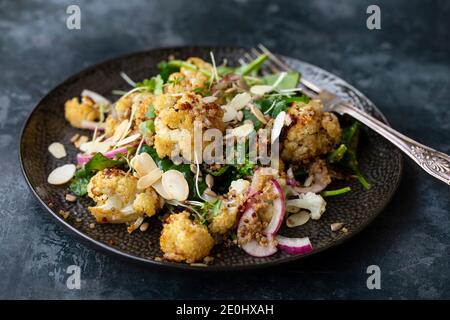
point(103, 247)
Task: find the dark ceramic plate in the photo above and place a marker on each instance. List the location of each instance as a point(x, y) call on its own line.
point(380, 162)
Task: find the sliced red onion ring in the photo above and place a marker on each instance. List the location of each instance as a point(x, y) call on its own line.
point(294, 245)
point(96, 97)
point(279, 209)
point(92, 125)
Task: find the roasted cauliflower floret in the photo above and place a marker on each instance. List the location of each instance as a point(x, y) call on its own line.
point(174, 125)
point(146, 202)
point(113, 190)
point(183, 239)
point(232, 202)
point(111, 124)
point(75, 112)
point(188, 79)
point(312, 134)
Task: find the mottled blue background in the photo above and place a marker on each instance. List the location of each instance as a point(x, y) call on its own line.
point(404, 68)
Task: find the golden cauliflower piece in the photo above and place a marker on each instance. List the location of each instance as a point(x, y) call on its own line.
point(174, 125)
point(113, 190)
point(111, 124)
point(185, 240)
point(188, 79)
point(75, 112)
point(146, 202)
point(313, 133)
point(230, 206)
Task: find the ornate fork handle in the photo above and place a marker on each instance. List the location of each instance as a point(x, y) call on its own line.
point(434, 162)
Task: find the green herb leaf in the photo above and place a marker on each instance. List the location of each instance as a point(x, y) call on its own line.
point(80, 181)
point(290, 81)
point(154, 84)
point(146, 126)
point(252, 67)
point(165, 70)
point(151, 112)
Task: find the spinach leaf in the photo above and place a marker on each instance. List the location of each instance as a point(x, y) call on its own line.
point(84, 175)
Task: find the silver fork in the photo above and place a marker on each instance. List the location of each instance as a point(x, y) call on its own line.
point(434, 162)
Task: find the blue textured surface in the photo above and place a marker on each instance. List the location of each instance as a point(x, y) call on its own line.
point(404, 68)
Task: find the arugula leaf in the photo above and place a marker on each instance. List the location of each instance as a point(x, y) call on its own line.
point(154, 84)
point(290, 81)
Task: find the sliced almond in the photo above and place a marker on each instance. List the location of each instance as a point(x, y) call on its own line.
point(336, 226)
point(258, 114)
point(62, 174)
point(240, 100)
point(243, 131)
point(143, 164)
point(229, 113)
point(260, 90)
point(149, 179)
point(298, 219)
point(161, 191)
point(94, 147)
point(209, 99)
point(129, 139)
point(120, 130)
point(278, 126)
point(57, 150)
point(175, 183)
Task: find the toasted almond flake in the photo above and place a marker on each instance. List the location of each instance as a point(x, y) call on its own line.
point(120, 130)
point(344, 230)
point(159, 188)
point(143, 227)
point(92, 225)
point(175, 183)
point(298, 219)
point(135, 225)
point(71, 197)
point(243, 131)
point(209, 181)
point(74, 137)
point(57, 150)
point(260, 90)
point(240, 115)
point(209, 99)
point(240, 100)
point(258, 114)
point(193, 168)
point(278, 124)
point(336, 226)
point(143, 164)
point(94, 147)
point(129, 139)
point(229, 113)
point(62, 174)
point(149, 179)
point(80, 141)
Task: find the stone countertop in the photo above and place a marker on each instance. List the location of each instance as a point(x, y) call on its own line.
point(404, 68)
